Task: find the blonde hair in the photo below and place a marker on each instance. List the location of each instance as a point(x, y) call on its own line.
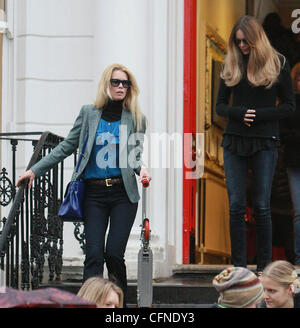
point(282, 272)
point(264, 63)
point(131, 100)
point(96, 290)
point(295, 73)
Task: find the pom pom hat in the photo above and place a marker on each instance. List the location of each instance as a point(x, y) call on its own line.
point(238, 288)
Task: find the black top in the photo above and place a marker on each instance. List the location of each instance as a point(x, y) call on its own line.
point(265, 124)
point(112, 111)
point(290, 137)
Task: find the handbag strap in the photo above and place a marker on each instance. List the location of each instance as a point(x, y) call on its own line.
point(83, 150)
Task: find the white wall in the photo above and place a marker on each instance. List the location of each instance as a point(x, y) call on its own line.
point(57, 57)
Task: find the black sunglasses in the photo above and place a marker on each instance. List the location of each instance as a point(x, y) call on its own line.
point(238, 41)
point(116, 82)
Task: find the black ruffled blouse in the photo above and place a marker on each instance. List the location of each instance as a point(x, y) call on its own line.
point(247, 146)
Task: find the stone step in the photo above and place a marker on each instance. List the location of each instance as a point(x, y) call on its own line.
point(179, 290)
point(165, 294)
point(188, 286)
point(177, 294)
point(202, 269)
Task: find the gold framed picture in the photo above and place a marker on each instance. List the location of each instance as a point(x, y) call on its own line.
point(215, 54)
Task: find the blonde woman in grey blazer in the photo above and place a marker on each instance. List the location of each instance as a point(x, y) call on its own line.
point(110, 162)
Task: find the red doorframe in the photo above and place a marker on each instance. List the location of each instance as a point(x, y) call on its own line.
point(189, 121)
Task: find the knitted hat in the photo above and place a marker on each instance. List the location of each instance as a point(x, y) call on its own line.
point(238, 288)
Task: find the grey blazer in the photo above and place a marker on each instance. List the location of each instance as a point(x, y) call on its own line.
point(130, 147)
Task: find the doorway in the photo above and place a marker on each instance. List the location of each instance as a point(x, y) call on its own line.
point(205, 204)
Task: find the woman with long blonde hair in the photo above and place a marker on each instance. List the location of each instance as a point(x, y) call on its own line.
point(109, 165)
point(130, 101)
point(254, 78)
point(281, 286)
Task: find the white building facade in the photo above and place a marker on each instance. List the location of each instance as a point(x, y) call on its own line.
point(54, 52)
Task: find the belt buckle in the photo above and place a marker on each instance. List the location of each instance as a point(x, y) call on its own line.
point(107, 182)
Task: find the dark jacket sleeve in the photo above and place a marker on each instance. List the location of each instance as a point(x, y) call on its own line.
point(286, 105)
point(224, 109)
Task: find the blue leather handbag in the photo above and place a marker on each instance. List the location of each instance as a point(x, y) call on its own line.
point(71, 208)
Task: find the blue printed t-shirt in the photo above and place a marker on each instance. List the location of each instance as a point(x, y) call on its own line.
point(104, 159)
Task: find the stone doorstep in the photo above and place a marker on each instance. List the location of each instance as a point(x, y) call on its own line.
point(164, 295)
point(70, 272)
point(177, 294)
point(189, 285)
point(204, 268)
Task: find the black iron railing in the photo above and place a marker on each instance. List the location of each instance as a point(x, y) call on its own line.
point(32, 232)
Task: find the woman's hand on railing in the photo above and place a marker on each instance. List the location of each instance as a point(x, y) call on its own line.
point(26, 175)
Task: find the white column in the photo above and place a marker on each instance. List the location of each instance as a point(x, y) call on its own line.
point(8, 96)
point(175, 125)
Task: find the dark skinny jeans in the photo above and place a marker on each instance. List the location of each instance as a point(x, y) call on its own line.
point(102, 206)
point(263, 164)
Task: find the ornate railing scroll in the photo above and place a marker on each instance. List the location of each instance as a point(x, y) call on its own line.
point(31, 232)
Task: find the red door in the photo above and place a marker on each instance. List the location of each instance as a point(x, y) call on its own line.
point(189, 123)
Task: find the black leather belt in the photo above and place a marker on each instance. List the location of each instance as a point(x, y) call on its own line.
point(109, 182)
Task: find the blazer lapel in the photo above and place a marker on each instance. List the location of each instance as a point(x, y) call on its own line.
point(126, 121)
point(125, 128)
point(93, 122)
